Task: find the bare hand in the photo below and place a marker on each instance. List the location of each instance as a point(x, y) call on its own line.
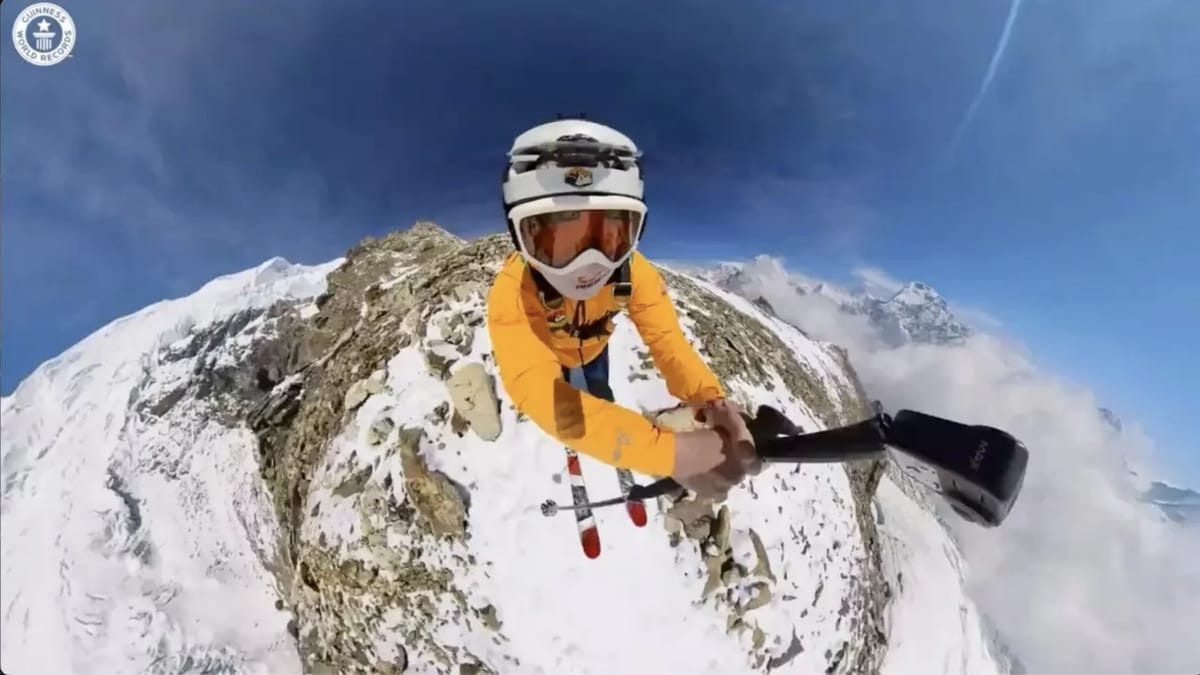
point(711, 461)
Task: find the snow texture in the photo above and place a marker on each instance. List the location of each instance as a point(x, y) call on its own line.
point(142, 544)
point(912, 313)
point(131, 545)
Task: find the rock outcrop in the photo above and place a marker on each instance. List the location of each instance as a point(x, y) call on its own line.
point(473, 394)
point(357, 494)
point(333, 447)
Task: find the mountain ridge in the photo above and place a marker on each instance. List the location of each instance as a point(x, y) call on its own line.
point(285, 452)
point(912, 313)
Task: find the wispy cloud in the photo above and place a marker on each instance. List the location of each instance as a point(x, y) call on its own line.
point(993, 66)
point(876, 281)
point(976, 318)
point(1081, 577)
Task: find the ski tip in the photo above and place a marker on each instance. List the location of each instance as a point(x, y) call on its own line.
point(590, 538)
point(637, 513)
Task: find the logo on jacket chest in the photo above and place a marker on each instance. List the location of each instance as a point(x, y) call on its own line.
point(558, 321)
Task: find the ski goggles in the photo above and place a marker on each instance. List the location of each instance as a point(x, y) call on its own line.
point(556, 238)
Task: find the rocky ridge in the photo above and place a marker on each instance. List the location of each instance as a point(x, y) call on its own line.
point(375, 601)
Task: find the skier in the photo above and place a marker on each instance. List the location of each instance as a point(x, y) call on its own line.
point(573, 201)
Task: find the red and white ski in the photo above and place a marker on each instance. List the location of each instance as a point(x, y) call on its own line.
point(635, 509)
point(589, 535)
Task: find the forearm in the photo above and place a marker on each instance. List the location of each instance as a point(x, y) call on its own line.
point(590, 425)
point(688, 378)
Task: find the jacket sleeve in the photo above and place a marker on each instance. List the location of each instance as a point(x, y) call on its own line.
point(532, 377)
point(688, 378)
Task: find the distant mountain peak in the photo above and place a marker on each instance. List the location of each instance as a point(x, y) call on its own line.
point(1181, 505)
point(918, 287)
point(914, 313)
point(917, 293)
point(1110, 418)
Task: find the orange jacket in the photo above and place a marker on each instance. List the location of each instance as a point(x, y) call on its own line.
point(530, 357)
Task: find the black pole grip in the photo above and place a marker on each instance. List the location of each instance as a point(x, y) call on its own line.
point(655, 489)
point(859, 441)
point(765, 425)
point(863, 440)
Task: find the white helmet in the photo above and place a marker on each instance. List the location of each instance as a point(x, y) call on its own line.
point(574, 203)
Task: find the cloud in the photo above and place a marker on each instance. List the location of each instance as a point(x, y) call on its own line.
point(822, 316)
point(876, 281)
point(975, 317)
point(993, 66)
point(1081, 577)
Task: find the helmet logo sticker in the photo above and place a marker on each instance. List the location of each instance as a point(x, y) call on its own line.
point(578, 177)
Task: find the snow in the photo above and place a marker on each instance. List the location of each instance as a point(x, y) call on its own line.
point(933, 626)
point(136, 544)
point(131, 545)
point(612, 614)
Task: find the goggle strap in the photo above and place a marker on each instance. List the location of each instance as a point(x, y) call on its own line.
point(623, 289)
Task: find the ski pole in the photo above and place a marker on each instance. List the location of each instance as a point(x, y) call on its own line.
point(857, 442)
point(551, 507)
point(978, 470)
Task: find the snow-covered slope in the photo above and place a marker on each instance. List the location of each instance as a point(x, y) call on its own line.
point(1181, 505)
point(227, 482)
point(915, 313)
point(130, 544)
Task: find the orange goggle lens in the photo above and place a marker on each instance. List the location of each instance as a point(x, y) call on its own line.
point(555, 239)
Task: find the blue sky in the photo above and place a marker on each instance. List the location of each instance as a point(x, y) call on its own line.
point(187, 140)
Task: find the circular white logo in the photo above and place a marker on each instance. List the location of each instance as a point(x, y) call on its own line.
point(44, 34)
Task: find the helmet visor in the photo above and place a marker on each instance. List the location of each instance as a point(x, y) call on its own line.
point(557, 238)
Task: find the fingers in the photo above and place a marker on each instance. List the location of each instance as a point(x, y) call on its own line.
point(754, 464)
point(710, 486)
point(737, 448)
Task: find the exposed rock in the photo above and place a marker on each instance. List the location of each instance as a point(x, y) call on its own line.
point(297, 388)
point(354, 484)
point(714, 565)
point(755, 356)
point(795, 648)
point(672, 524)
point(435, 497)
point(356, 395)
point(268, 347)
point(474, 396)
point(439, 366)
point(467, 290)
point(732, 575)
point(381, 428)
point(441, 412)
point(361, 390)
point(761, 595)
point(488, 616)
point(678, 418)
point(721, 529)
point(762, 566)
point(695, 515)
point(759, 638)
point(376, 383)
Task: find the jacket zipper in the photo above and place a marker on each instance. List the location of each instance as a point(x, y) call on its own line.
point(580, 317)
